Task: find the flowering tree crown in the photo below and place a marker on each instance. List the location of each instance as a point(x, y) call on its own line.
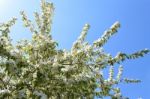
point(36, 69)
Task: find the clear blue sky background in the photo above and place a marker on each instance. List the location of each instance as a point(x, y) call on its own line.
point(71, 15)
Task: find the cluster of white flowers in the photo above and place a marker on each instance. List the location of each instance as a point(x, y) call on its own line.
point(4, 91)
point(107, 34)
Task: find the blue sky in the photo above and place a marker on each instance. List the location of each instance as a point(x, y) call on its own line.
point(71, 15)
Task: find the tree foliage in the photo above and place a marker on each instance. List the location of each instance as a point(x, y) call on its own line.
point(36, 69)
